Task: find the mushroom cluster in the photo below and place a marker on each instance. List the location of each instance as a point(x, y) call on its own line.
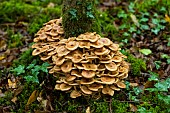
point(84, 65)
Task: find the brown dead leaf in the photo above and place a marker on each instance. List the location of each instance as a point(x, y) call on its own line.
point(149, 84)
point(2, 57)
point(134, 84)
point(133, 108)
point(14, 100)
point(134, 19)
point(33, 97)
point(88, 110)
point(11, 84)
point(18, 91)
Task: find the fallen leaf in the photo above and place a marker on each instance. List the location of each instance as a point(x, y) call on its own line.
point(18, 91)
point(133, 108)
point(14, 100)
point(11, 84)
point(88, 110)
point(145, 51)
point(2, 57)
point(167, 18)
point(134, 19)
point(149, 84)
point(33, 97)
point(134, 84)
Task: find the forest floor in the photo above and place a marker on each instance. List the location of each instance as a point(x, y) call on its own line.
point(140, 27)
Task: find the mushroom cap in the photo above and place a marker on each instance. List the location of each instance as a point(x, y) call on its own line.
point(53, 32)
point(108, 80)
point(66, 66)
point(77, 58)
point(114, 87)
point(76, 73)
point(59, 60)
point(65, 87)
point(117, 59)
point(101, 67)
point(56, 68)
point(121, 84)
point(84, 44)
point(70, 78)
point(42, 36)
point(57, 87)
point(92, 38)
point(101, 51)
point(87, 81)
point(75, 94)
point(95, 87)
point(97, 44)
point(113, 73)
point(79, 66)
point(85, 90)
point(88, 74)
point(105, 41)
point(111, 66)
point(36, 52)
point(72, 45)
point(107, 90)
point(114, 47)
point(92, 67)
point(62, 51)
point(45, 57)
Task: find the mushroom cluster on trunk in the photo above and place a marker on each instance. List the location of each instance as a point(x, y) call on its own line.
point(83, 65)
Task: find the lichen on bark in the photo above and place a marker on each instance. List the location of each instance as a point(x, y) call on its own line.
point(79, 16)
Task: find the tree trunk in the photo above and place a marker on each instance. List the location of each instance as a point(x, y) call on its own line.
point(79, 16)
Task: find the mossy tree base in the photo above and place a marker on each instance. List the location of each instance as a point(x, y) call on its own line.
point(79, 17)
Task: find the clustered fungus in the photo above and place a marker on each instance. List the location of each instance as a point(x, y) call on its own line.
point(84, 65)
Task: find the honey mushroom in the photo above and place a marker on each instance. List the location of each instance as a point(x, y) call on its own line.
point(83, 65)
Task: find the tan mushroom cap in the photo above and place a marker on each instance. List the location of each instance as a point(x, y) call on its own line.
point(92, 67)
point(105, 41)
point(97, 44)
point(111, 66)
point(114, 87)
point(76, 73)
point(36, 52)
point(107, 90)
point(43, 36)
point(56, 68)
point(72, 45)
point(101, 51)
point(60, 60)
point(84, 44)
point(95, 87)
point(62, 51)
point(92, 37)
point(117, 59)
point(70, 78)
point(45, 57)
point(87, 81)
point(108, 80)
point(57, 87)
point(121, 84)
point(113, 73)
point(114, 47)
point(66, 66)
point(101, 67)
point(88, 74)
point(79, 66)
point(75, 94)
point(53, 32)
point(85, 90)
point(77, 58)
point(65, 87)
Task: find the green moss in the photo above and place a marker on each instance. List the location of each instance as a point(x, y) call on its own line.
point(100, 107)
point(79, 17)
point(119, 107)
point(137, 64)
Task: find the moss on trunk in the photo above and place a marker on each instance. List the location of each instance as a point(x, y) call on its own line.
point(79, 16)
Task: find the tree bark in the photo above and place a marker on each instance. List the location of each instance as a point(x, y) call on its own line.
point(79, 16)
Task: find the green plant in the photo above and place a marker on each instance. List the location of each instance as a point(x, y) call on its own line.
point(32, 71)
point(15, 40)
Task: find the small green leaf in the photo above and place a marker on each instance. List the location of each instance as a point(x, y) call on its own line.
point(33, 79)
point(168, 61)
point(153, 77)
point(145, 51)
point(157, 64)
point(19, 70)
